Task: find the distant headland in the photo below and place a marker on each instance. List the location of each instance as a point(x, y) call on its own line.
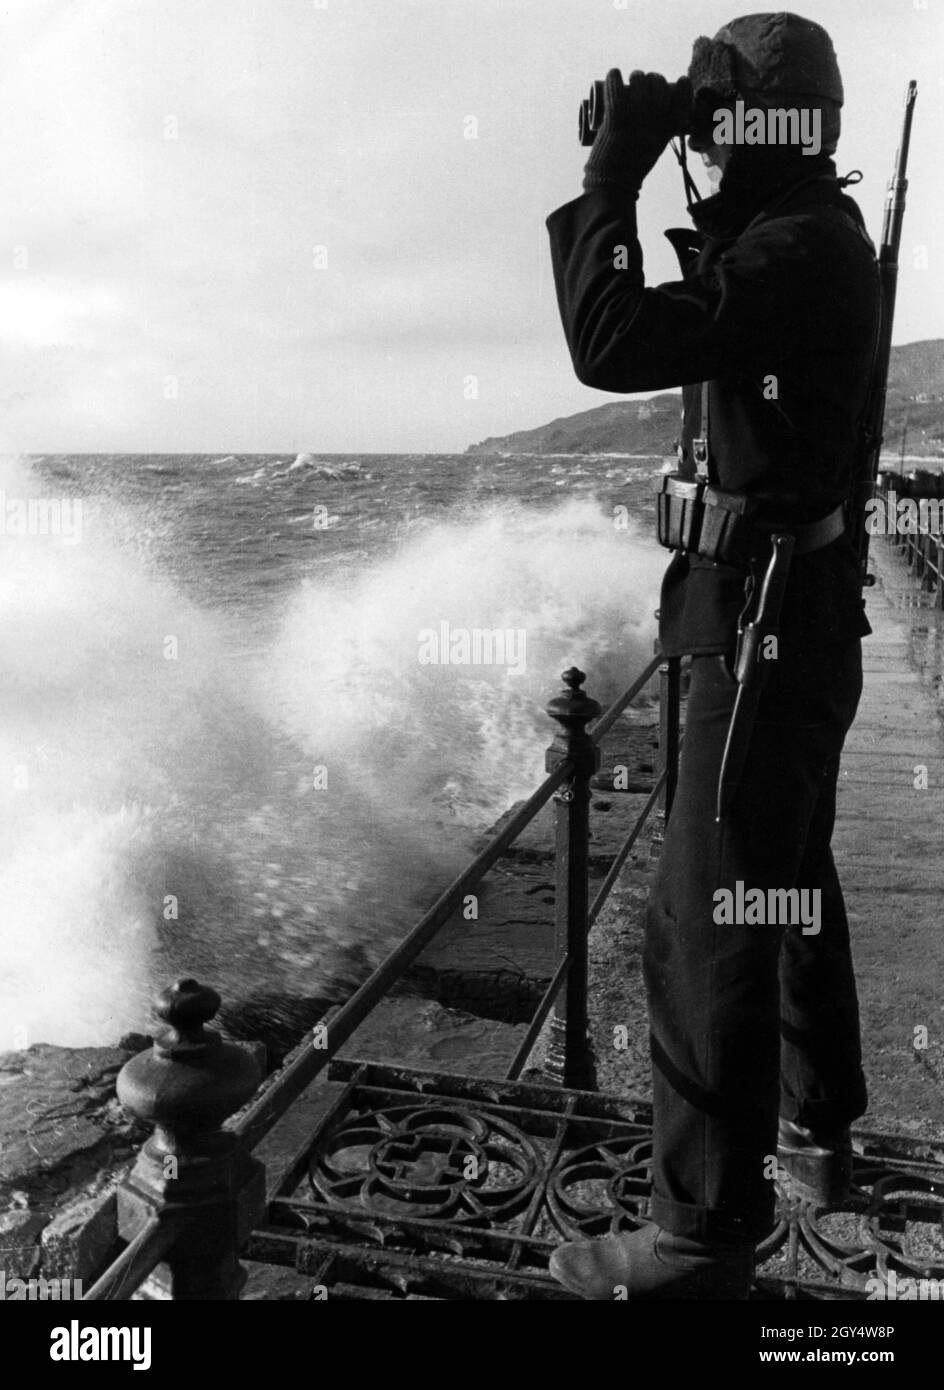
point(914, 416)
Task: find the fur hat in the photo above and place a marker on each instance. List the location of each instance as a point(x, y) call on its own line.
point(766, 55)
point(771, 60)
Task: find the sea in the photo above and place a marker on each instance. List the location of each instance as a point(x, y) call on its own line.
point(221, 751)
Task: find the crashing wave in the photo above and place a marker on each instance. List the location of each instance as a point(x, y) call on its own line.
point(321, 469)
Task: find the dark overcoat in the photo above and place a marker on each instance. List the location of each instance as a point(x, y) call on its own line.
point(778, 310)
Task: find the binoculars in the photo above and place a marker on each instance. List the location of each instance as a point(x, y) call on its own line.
point(593, 107)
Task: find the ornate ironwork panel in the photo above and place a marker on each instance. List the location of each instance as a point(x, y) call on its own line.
point(423, 1185)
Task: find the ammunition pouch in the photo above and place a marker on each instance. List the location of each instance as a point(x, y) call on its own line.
point(680, 508)
point(695, 517)
point(698, 518)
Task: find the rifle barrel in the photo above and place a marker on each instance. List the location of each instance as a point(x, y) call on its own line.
point(874, 414)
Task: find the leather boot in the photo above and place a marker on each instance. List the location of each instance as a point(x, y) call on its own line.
point(818, 1165)
point(651, 1263)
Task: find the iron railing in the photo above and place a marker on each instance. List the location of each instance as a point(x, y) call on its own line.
point(216, 1190)
point(196, 1224)
point(920, 545)
point(195, 1220)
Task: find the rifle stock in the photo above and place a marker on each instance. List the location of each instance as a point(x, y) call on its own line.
point(874, 413)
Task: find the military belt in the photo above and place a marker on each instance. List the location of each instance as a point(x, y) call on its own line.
point(698, 518)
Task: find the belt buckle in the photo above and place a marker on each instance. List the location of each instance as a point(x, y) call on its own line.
point(700, 454)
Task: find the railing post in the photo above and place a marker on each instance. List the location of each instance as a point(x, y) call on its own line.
point(187, 1173)
point(570, 1056)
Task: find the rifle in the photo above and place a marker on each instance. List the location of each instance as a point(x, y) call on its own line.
point(873, 419)
point(749, 673)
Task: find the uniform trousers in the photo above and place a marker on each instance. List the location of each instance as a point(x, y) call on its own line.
point(753, 1018)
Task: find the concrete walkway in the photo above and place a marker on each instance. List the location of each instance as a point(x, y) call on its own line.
point(889, 847)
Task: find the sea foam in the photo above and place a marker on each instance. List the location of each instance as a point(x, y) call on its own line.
point(261, 822)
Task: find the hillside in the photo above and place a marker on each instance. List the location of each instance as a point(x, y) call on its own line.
point(627, 426)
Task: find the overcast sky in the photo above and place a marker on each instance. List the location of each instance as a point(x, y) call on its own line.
point(170, 167)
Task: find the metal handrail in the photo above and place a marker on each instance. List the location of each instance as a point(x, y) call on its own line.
point(915, 546)
point(614, 869)
point(135, 1263)
point(258, 1119)
point(173, 1237)
point(606, 721)
point(539, 1017)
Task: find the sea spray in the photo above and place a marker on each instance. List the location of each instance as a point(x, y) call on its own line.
point(151, 821)
point(273, 822)
point(347, 676)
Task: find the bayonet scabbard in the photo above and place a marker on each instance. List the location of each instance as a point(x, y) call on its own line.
point(751, 667)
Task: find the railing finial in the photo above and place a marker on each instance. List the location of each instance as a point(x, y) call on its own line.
point(191, 1080)
point(573, 709)
point(186, 1006)
point(187, 1173)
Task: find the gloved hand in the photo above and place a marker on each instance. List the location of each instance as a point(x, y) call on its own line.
point(639, 120)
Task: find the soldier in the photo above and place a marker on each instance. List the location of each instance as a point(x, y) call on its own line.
point(776, 316)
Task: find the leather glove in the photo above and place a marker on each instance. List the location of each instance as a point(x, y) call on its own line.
point(639, 120)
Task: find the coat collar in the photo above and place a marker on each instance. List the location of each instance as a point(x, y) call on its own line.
point(750, 188)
